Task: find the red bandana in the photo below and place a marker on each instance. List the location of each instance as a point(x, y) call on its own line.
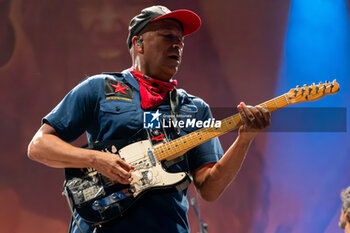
point(152, 91)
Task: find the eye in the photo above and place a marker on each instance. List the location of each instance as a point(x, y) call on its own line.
point(169, 36)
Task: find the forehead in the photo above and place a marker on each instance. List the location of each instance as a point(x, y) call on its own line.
point(163, 25)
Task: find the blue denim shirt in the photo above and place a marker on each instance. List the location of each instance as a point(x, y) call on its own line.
point(90, 108)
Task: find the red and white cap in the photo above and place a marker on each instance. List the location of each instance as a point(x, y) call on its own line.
point(190, 21)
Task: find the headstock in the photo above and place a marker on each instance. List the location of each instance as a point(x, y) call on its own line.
point(312, 92)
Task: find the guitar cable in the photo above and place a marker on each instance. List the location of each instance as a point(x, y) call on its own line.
point(65, 193)
point(203, 227)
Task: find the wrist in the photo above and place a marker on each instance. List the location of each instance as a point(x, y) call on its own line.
point(91, 158)
point(245, 138)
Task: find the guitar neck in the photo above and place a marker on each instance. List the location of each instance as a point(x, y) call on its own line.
point(179, 146)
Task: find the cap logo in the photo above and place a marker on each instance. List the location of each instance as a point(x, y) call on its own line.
point(165, 10)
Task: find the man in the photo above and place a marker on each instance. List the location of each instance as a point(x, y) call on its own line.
point(344, 221)
point(111, 106)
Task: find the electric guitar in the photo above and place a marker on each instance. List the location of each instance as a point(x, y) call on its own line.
point(98, 200)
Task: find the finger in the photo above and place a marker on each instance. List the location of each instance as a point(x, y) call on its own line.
point(242, 113)
point(113, 176)
point(249, 115)
point(122, 172)
point(266, 114)
point(259, 121)
point(122, 180)
point(125, 165)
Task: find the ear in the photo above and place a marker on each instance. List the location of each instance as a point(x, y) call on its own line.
point(137, 42)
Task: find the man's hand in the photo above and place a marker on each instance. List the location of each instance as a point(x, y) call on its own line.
point(255, 119)
point(47, 148)
point(113, 167)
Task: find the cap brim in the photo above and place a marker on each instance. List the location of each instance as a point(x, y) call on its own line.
point(190, 21)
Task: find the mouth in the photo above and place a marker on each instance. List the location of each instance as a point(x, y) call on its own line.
point(175, 57)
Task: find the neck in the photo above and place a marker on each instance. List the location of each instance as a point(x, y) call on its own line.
point(138, 68)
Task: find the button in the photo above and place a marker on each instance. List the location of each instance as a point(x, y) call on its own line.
point(117, 108)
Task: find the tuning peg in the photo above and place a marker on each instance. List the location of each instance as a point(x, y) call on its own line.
point(317, 88)
point(326, 81)
point(313, 84)
point(320, 83)
point(295, 92)
point(310, 89)
point(304, 85)
point(334, 80)
point(297, 86)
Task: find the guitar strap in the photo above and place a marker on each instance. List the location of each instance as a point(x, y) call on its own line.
point(174, 112)
point(175, 109)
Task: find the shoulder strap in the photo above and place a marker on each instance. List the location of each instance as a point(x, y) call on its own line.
point(175, 108)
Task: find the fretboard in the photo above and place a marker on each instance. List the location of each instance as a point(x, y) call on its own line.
point(179, 146)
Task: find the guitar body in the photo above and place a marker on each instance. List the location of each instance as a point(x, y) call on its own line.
point(98, 199)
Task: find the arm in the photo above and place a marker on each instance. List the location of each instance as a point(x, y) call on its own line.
point(47, 148)
point(212, 179)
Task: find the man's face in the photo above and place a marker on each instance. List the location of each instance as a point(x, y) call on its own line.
point(163, 43)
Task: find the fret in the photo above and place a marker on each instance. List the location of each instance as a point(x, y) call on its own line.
point(228, 128)
point(171, 149)
point(266, 106)
point(221, 129)
point(191, 139)
point(161, 152)
point(159, 155)
point(201, 134)
point(195, 136)
point(174, 146)
point(206, 129)
point(198, 136)
point(182, 143)
point(166, 149)
point(233, 120)
point(156, 154)
point(286, 99)
point(216, 132)
point(210, 132)
point(275, 103)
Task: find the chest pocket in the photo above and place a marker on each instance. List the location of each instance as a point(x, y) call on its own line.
point(119, 119)
point(117, 106)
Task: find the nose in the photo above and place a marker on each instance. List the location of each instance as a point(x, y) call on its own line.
point(179, 44)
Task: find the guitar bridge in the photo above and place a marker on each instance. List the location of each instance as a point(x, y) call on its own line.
point(83, 190)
